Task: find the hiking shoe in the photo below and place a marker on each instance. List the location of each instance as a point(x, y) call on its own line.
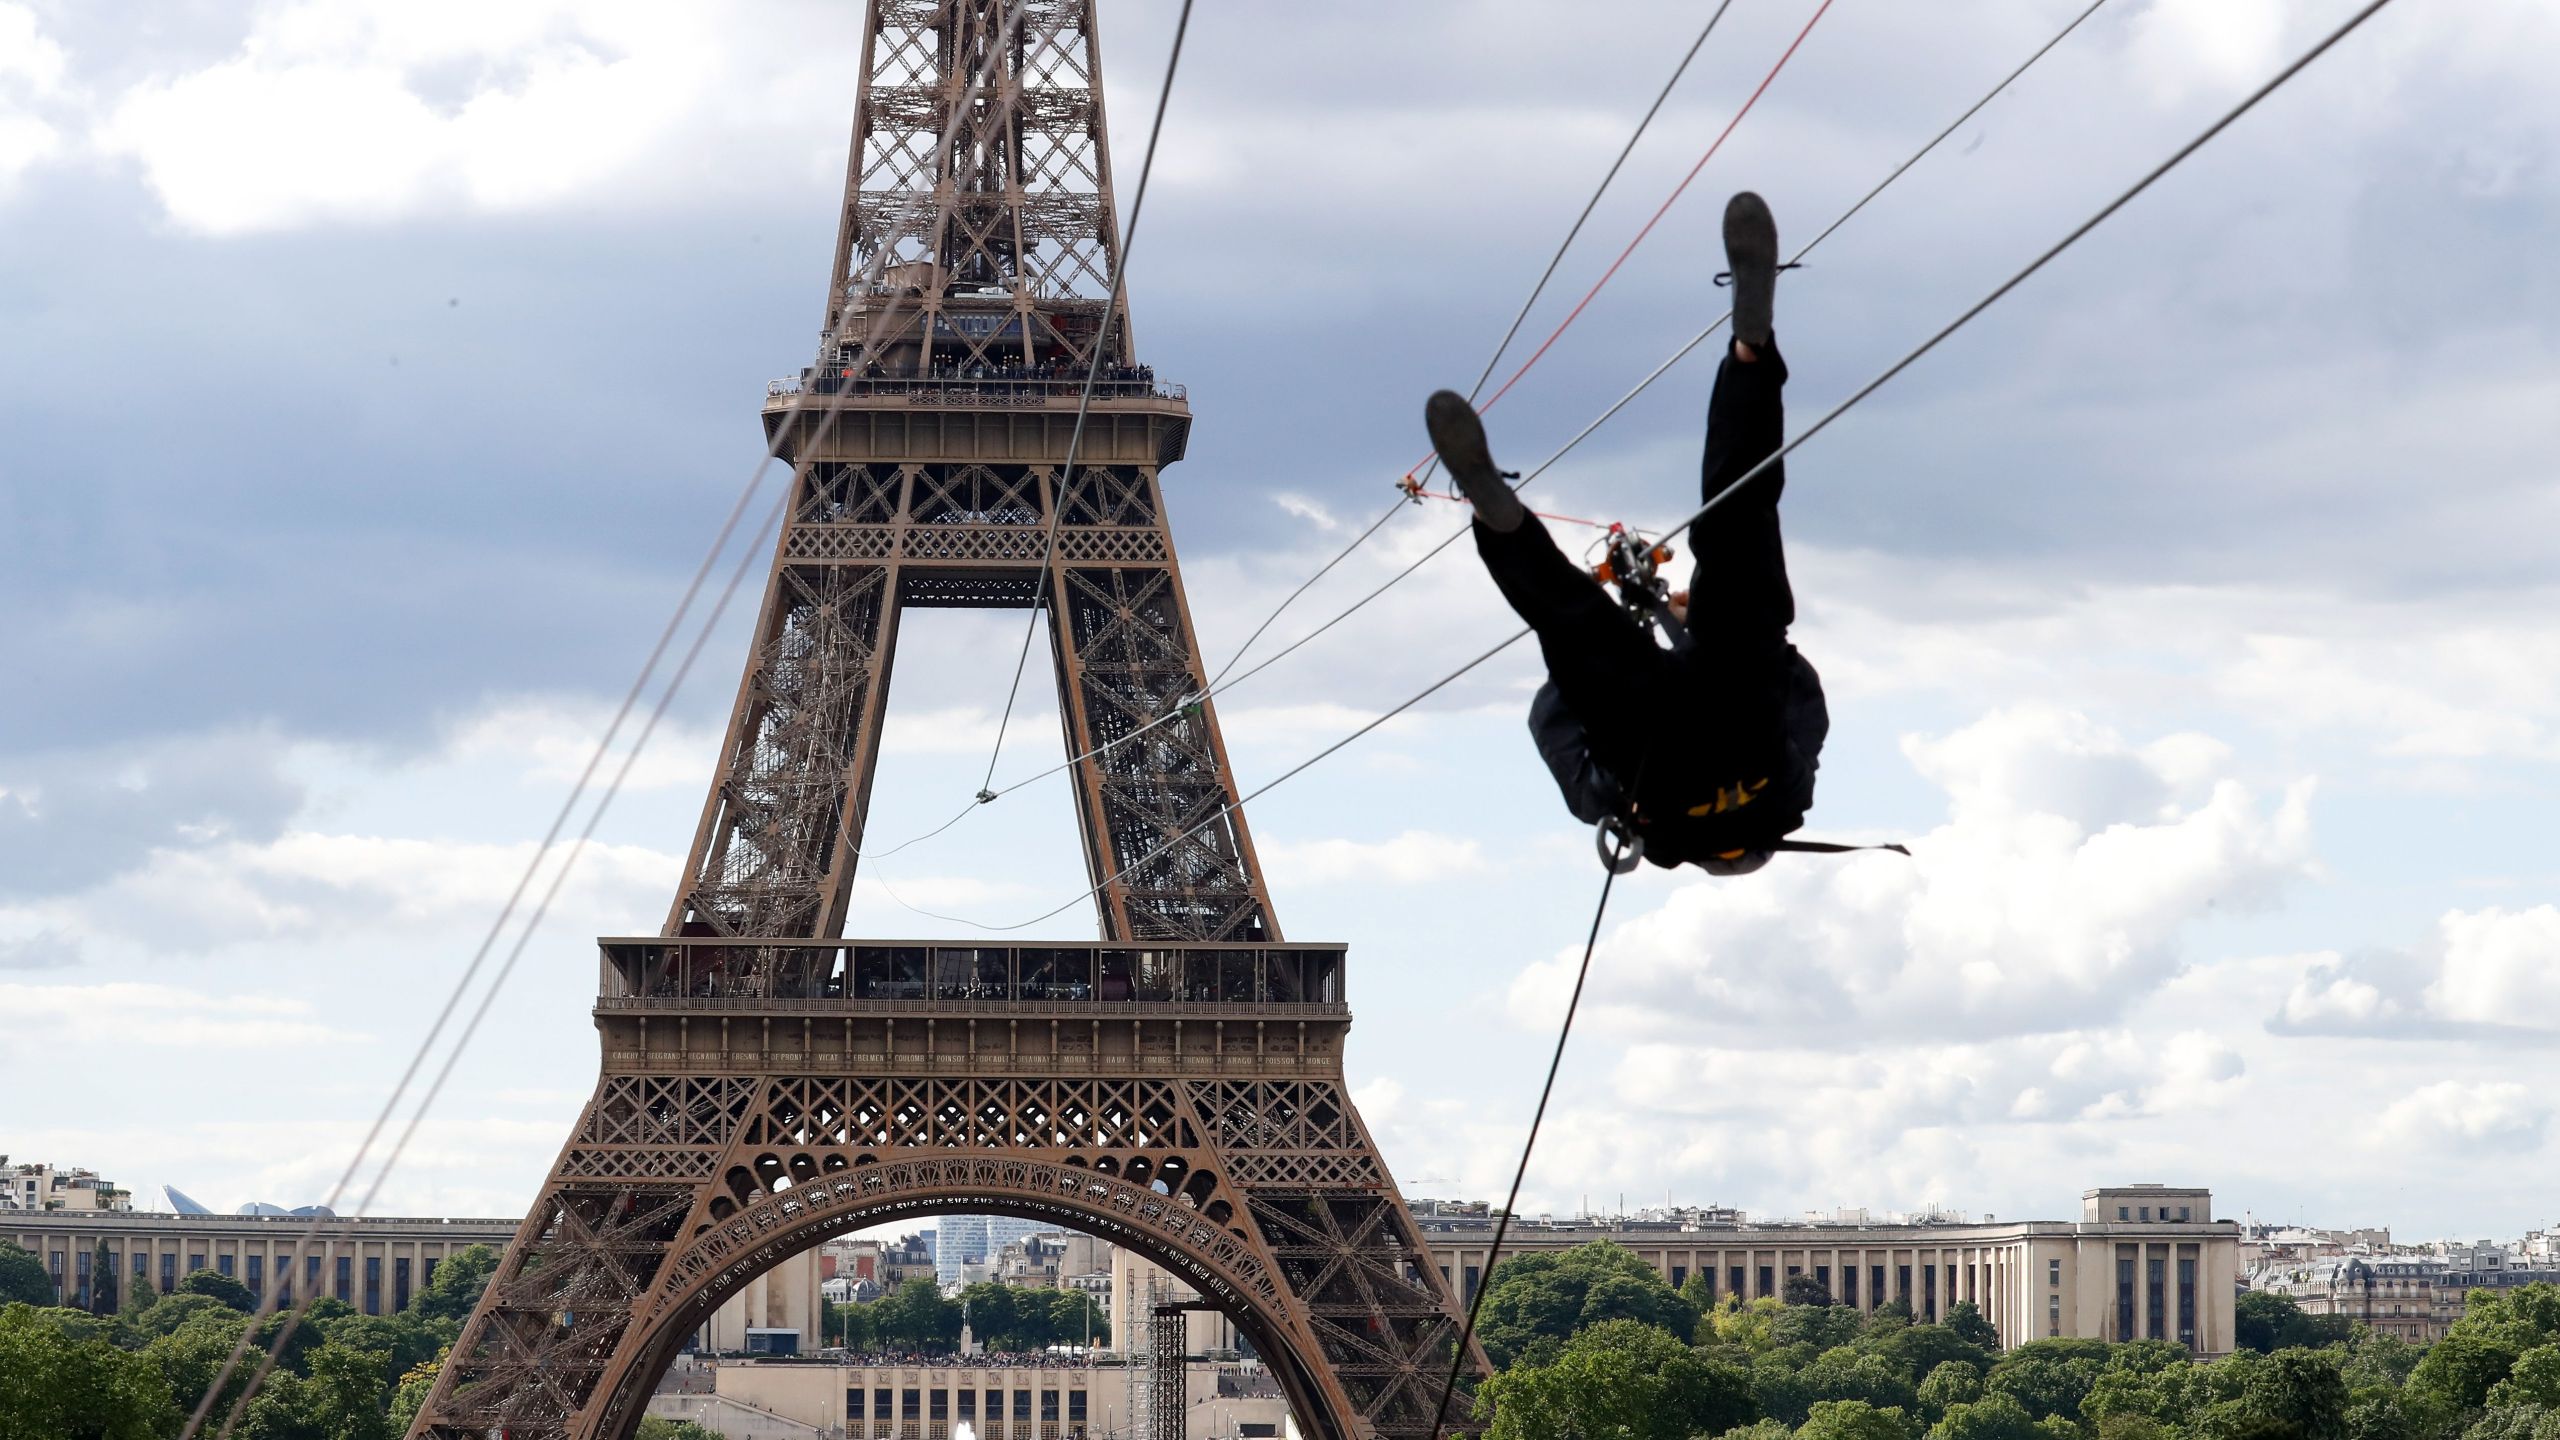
point(1458, 435)
point(1751, 255)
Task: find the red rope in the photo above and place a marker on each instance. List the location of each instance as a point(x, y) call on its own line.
point(1418, 493)
point(1676, 192)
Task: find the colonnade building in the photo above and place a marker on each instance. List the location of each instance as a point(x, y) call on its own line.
point(2142, 1262)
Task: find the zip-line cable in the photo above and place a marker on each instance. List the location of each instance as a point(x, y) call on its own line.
point(2077, 233)
point(1116, 305)
point(1223, 683)
point(524, 936)
point(314, 1233)
point(988, 791)
point(1539, 289)
point(1538, 1118)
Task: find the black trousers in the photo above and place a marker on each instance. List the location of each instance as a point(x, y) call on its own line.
point(1673, 725)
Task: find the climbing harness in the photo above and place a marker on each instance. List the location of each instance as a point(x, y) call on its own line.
point(1634, 565)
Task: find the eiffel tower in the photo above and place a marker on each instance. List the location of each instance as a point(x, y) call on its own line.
point(1175, 1087)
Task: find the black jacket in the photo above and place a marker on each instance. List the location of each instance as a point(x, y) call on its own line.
point(1673, 838)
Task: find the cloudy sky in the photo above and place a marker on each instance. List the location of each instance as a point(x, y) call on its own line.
point(373, 374)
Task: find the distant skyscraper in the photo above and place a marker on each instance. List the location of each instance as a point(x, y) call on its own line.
point(963, 1240)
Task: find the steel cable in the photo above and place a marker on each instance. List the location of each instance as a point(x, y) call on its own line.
point(1537, 1119)
point(1084, 406)
point(1222, 682)
point(320, 1226)
point(2077, 233)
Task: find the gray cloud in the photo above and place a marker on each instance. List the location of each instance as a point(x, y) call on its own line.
point(71, 819)
point(50, 949)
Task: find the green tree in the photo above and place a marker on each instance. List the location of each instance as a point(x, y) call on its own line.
point(1854, 1420)
point(1968, 1325)
point(1993, 1417)
point(23, 1280)
point(455, 1288)
point(1625, 1380)
point(409, 1395)
point(1554, 1297)
point(53, 1387)
point(1747, 1325)
point(916, 1317)
point(2297, 1395)
point(2458, 1372)
point(139, 1297)
point(2131, 1427)
point(2145, 1357)
point(221, 1287)
point(1949, 1384)
point(1919, 1349)
point(2048, 1377)
point(1075, 1318)
point(170, 1314)
point(1824, 1327)
point(2517, 1422)
point(2533, 1380)
point(2378, 1418)
point(102, 1282)
point(191, 1355)
point(1803, 1289)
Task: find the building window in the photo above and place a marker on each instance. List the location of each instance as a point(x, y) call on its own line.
point(80, 1272)
point(1929, 1292)
point(939, 1406)
point(1849, 1285)
point(853, 1403)
point(2124, 1212)
point(2155, 1275)
point(399, 1284)
point(1049, 1406)
point(194, 1263)
point(1822, 1277)
point(311, 1273)
point(1075, 1407)
point(2146, 1214)
point(1021, 1404)
point(346, 1278)
point(427, 1275)
point(2053, 1273)
point(1733, 1280)
point(969, 1406)
point(1768, 1279)
point(2124, 1293)
point(2187, 1299)
point(1875, 1291)
point(257, 1277)
point(168, 1272)
point(224, 1263)
point(2053, 1315)
point(141, 1265)
point(880, 1409)
point(373, 1285)
point(2186, 1212)
point(1475, 1276)
point(1902, 1284)
point(909, 1402)
point(1679, 1276)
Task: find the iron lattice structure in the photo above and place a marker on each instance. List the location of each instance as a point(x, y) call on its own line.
point(1176, 1086)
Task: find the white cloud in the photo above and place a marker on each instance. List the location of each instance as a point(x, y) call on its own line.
point(2485, 973)
point(2467, 1115)
point(553, 742)
point(2013, 917)
point(69, 1017)
point(368, 111)
point(2501, 968)
point(1414, 857)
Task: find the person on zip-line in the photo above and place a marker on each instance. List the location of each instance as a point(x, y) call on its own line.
point(1702, 753)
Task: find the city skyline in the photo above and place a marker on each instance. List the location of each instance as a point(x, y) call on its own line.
point(2224, 745)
